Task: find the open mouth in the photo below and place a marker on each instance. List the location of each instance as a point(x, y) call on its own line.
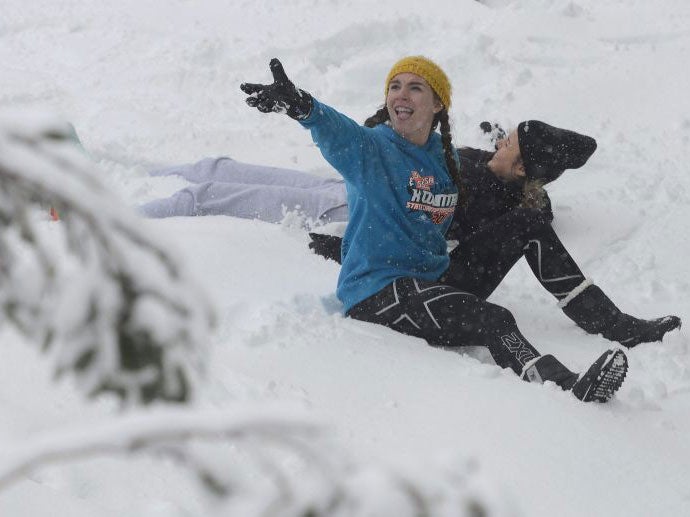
point(403, 113)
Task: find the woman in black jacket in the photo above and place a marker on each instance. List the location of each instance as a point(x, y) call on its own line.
point(508, 215)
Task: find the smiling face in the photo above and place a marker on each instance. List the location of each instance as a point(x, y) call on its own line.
point(411, 105)
point(507, 161)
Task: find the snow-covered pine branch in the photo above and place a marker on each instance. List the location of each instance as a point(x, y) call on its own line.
point(97, 290)
point(268, 462)
point(116, 309)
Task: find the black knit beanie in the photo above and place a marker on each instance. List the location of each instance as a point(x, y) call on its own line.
point(547, 150)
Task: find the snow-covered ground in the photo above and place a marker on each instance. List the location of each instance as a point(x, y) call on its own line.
point(157, 82)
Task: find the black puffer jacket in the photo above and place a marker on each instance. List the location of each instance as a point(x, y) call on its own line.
point(487, 196)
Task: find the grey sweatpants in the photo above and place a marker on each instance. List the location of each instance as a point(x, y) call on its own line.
point(223, 186)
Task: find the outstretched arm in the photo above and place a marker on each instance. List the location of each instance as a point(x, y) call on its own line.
point(339, 138)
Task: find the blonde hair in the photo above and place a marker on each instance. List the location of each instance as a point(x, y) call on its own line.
point(533, 194)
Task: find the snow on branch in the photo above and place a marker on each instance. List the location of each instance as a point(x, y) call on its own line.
point(116, 309)
point(268, 462)
point(97, 290)
point(139, 431)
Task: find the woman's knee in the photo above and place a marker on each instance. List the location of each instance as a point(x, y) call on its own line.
point(531, 217)
point(528, 223)
point(496, 316)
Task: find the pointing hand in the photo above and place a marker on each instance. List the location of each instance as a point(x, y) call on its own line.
point(282, 96)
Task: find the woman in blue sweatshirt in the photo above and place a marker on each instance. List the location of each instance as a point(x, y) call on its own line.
point(402, 183)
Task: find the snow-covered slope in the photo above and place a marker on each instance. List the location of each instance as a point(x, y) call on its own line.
point(158, 82)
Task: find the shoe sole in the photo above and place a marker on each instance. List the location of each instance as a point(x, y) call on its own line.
point(609, 379)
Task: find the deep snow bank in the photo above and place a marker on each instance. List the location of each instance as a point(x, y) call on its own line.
point(158, 83)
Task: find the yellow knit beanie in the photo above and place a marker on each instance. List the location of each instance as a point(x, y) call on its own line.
point(430, 71)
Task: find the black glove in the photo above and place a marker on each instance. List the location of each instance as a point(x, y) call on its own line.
point(328, 246)
point(282, 96)
point(495, 131)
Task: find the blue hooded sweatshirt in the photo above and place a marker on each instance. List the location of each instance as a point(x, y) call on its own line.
point(401, 200)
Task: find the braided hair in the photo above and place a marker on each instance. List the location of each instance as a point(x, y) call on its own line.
point(382, 116)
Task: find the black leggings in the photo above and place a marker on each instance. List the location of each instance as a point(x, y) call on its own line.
point(453, 312)
point(448, 317)
point(482, 259)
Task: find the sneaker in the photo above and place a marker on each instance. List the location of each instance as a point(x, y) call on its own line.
point(604, 377)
